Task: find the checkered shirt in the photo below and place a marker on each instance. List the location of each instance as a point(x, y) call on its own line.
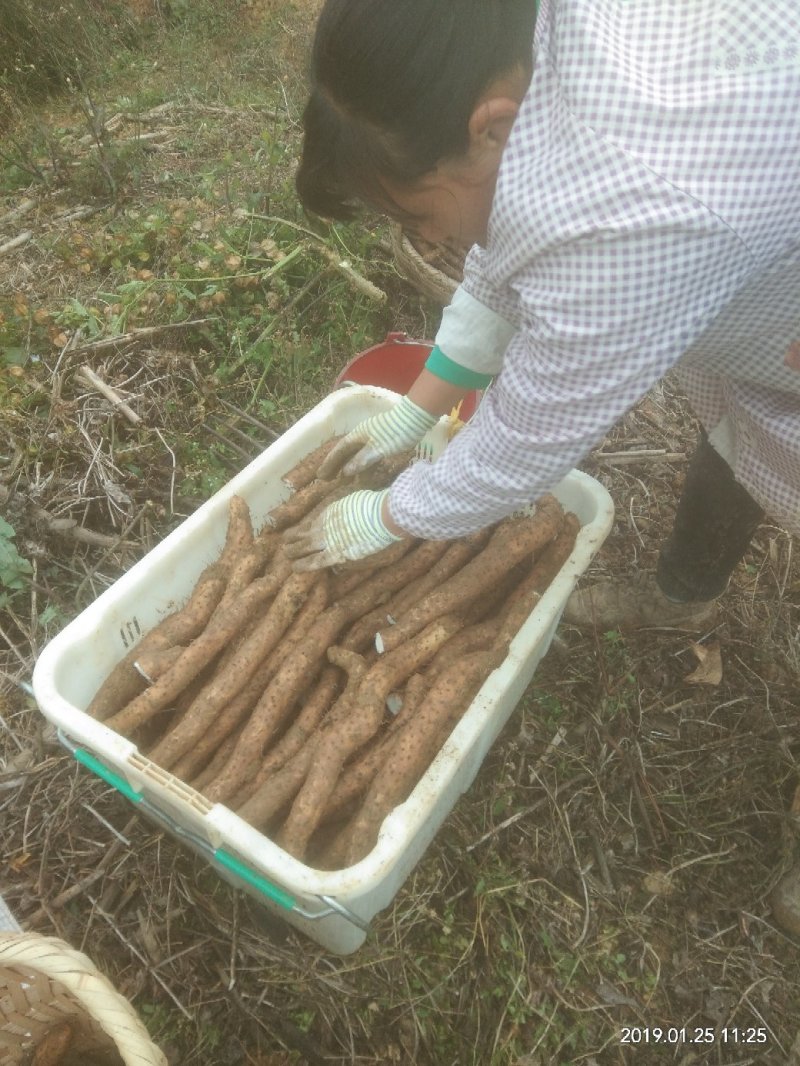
point(646, 217)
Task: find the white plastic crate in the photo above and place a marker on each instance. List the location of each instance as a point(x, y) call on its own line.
point(333, 908)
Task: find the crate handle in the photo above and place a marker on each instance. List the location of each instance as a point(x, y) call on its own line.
point(277, 895)
point(119, 783)
point(219, 855)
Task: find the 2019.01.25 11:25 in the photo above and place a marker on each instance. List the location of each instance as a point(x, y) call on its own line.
point(673, 1034)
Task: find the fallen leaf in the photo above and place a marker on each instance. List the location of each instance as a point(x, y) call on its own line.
point(709, 664)
point(658, 883)
point(117, 494)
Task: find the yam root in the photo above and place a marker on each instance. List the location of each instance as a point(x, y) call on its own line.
point(252, 561)
point(150, 734)
point(385, 676)
point(240, 531)
point(382, 473)
point(385, 557)
point(221, 629)
point(295, 674)
point(246, 696)
point(299, 505)
point(316, 602)
point(152, 664)
point(415, 746)
point(457, 554)
point(231, 715)
point(314, 605)
point(275, 787)
point(304, 504)
point(197, 778)
point(124, 682)
point(356, 723)
point(299, 669)
point(363, 632)
point(308, 468)
point(357, 775)
point(504, 623)
point(379, 586)
point(390, 671)
point(545, 568)
point(227, 683)
point(477, 637)
point(277, 790)
point(237, 708)
point(452, 555)
point(312, 713)
point(511, 541)
point(345, 581)
point(387, 469)
point(333, 464)
point(322, 772)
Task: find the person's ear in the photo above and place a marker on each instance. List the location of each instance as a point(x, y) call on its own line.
point(490, 123)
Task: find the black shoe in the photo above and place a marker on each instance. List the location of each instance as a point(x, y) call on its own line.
point(641, 605)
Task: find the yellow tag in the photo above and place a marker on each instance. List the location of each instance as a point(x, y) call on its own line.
point(454, 422)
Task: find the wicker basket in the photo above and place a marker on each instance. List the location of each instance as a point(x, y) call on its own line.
point(45, 982)
point(436, 270)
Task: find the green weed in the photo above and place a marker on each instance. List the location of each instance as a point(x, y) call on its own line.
point(14, 569)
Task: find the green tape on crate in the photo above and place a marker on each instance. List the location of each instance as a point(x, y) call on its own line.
point(277, 895)
point(119, 783)
point(271, 891)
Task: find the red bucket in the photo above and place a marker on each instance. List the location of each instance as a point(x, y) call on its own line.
point(395, 364)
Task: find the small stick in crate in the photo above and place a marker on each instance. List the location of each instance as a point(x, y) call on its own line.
point(269, 689)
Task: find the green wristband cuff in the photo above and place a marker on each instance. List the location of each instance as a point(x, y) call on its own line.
point(438, 364)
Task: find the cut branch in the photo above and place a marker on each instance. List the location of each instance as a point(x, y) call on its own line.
point(96, 382)
point(134, 336)
point(16, 242)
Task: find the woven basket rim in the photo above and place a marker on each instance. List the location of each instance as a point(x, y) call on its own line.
point(59, 961)
point(426, 277)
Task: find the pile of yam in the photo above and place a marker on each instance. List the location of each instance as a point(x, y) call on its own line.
point(311, 703)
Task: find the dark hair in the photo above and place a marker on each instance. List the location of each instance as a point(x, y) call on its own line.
point(394, 83)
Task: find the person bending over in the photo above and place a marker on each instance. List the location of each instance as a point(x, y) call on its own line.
point(628, 178)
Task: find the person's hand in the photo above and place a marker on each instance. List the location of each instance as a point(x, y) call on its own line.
point(388, 433)
point(350, 528)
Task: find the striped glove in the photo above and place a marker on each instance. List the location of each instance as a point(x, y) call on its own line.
point(350, 528)
point(378, 437)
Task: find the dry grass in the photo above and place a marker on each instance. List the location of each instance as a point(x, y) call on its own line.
point(612, 863)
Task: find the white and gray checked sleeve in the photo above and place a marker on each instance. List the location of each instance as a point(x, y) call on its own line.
point(601, 321)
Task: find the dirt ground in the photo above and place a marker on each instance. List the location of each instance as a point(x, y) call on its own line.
point(608, 874)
